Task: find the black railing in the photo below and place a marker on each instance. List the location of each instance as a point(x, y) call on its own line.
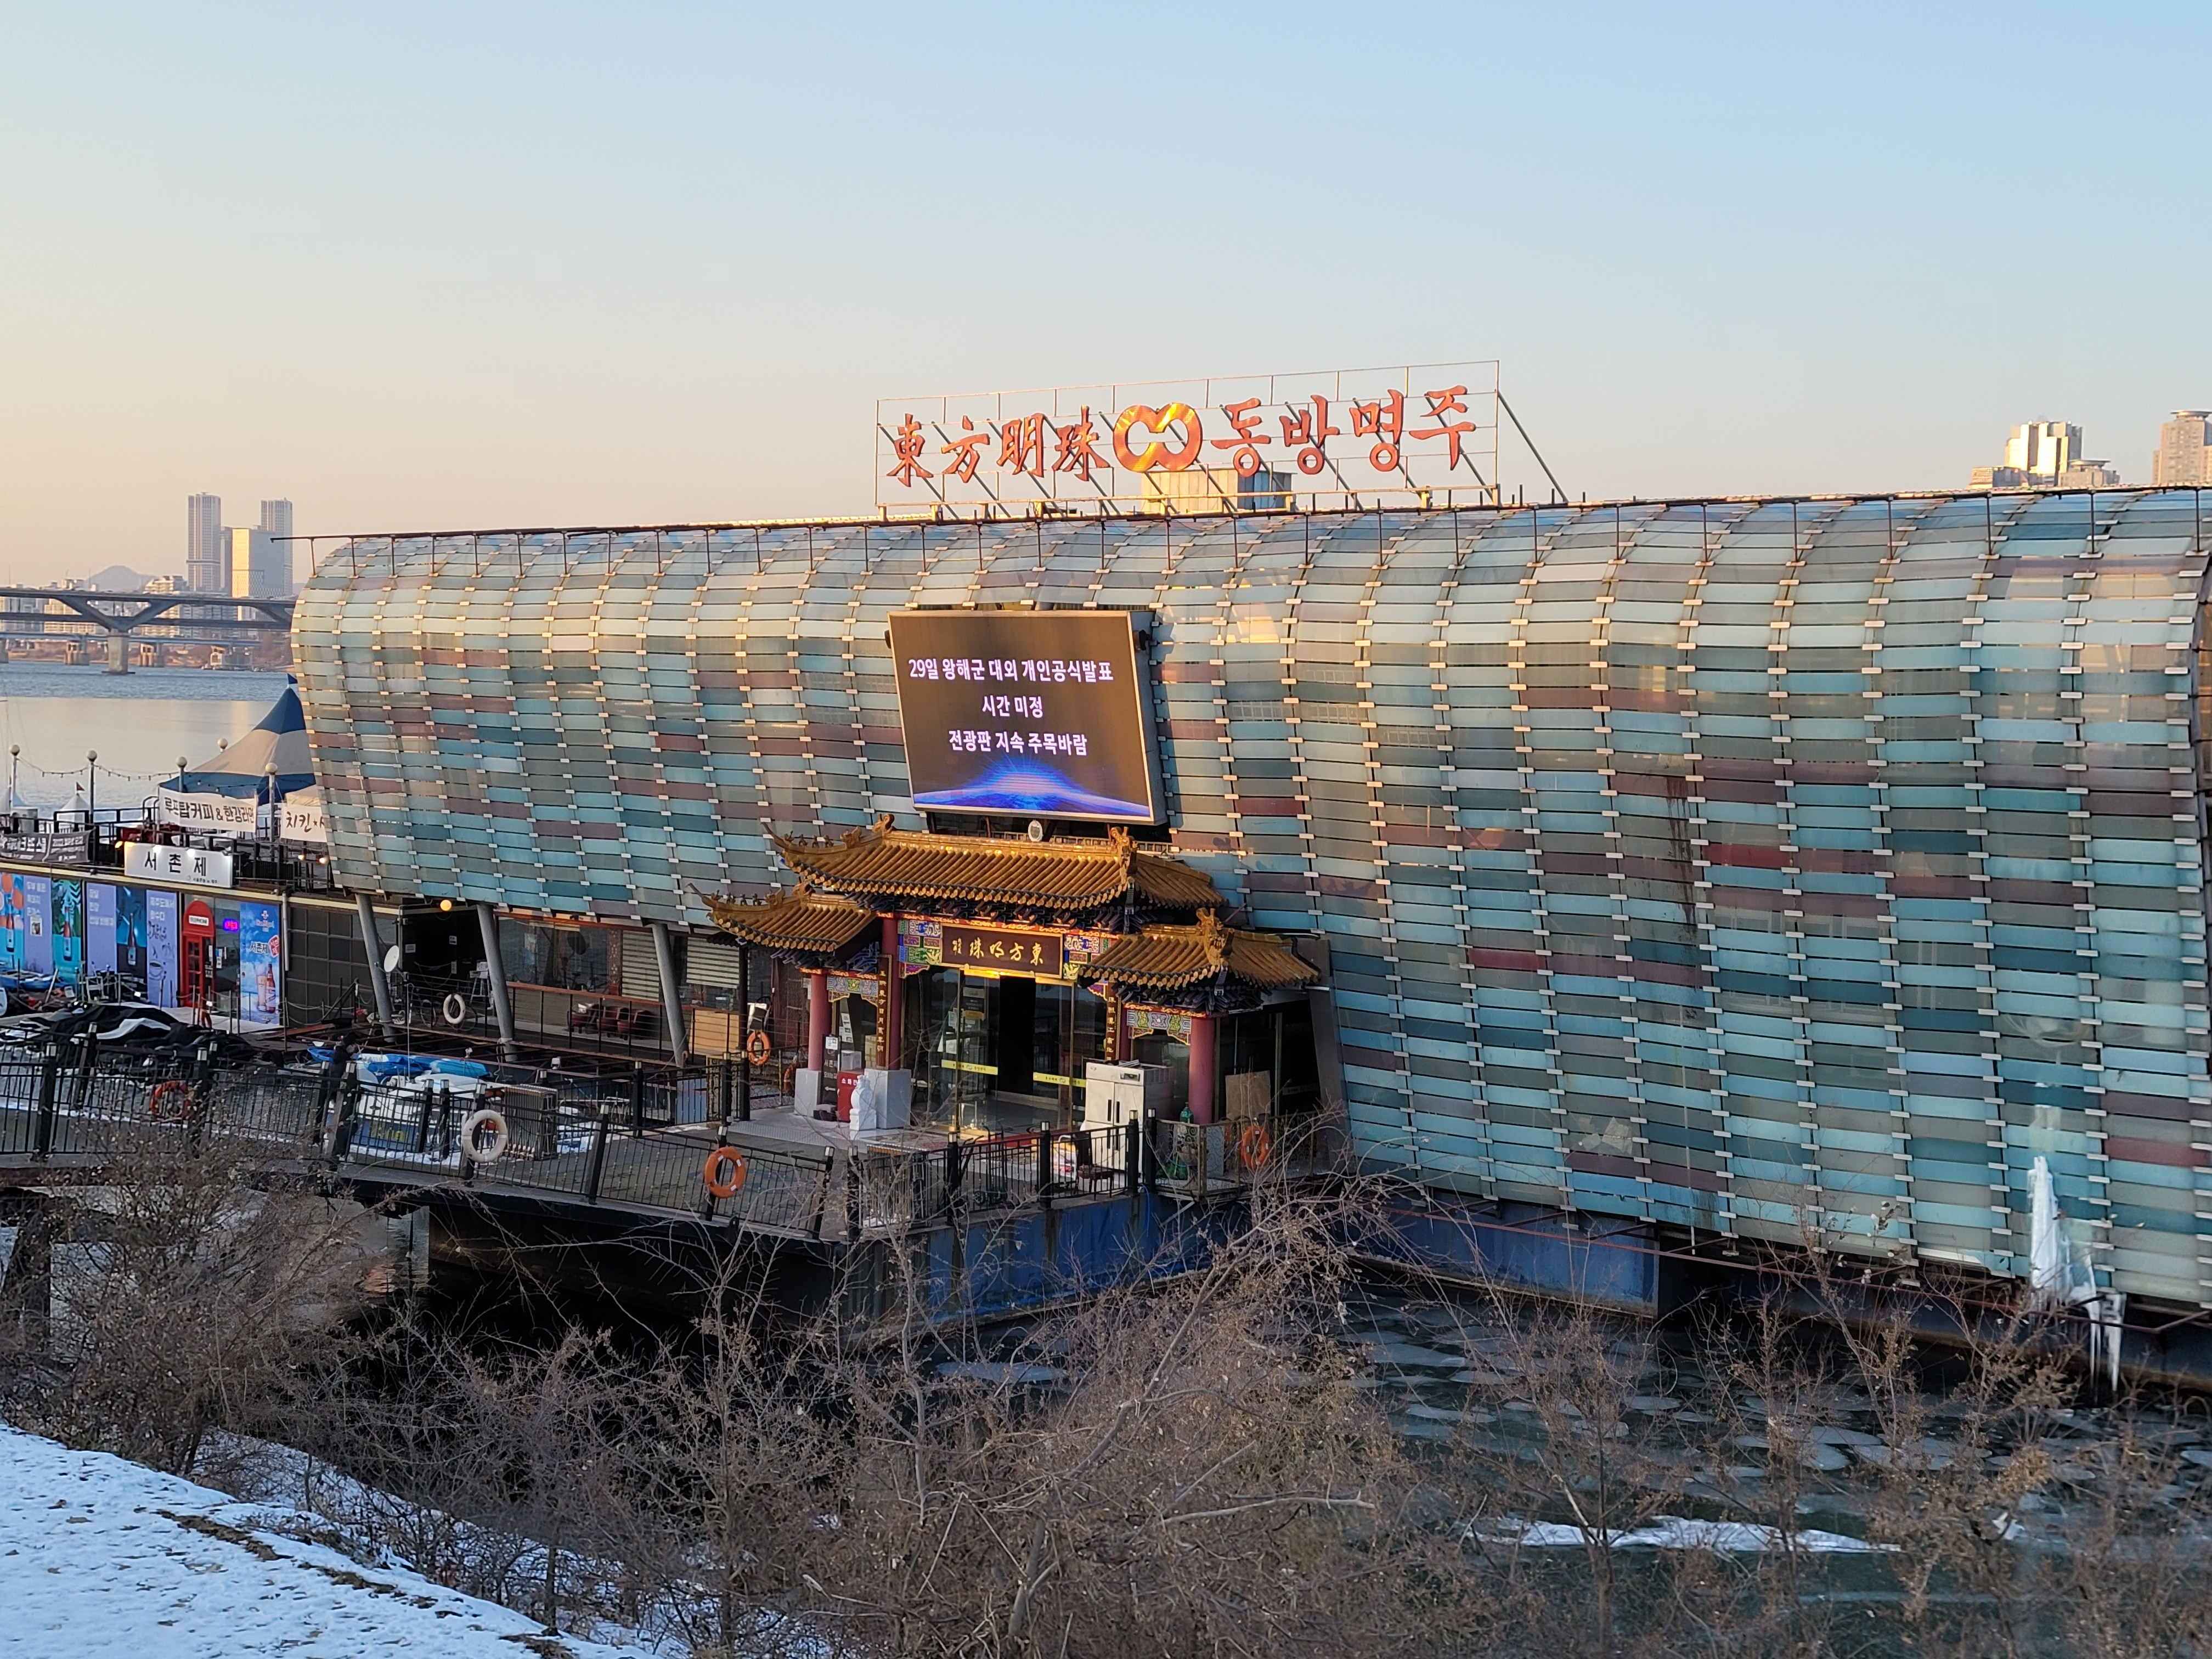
point(102, 839)
point(607, 1141)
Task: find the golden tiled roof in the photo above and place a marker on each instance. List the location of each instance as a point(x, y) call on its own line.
point(905, 864)
point(1170, 958)
point(801, 920)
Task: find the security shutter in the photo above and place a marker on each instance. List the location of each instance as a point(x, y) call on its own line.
point(712, 964)
point(641, 968)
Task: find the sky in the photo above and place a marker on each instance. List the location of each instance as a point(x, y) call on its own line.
point(425, 267)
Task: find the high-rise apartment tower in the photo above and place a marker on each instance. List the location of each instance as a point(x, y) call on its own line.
point(207, 550)
point(2183, 455)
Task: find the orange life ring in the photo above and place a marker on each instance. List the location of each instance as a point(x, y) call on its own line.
point(1254, 1146)
point(159, 1106)
point(724, 1172)
point(758, 1048)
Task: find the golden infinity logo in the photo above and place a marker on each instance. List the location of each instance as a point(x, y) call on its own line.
point(1154, 423)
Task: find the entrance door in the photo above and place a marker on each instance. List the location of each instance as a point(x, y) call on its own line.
point(1016, 1034)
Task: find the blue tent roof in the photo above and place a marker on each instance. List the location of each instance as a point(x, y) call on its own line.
point(241, 771)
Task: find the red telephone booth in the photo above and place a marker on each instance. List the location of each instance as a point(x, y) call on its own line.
point(195, 971)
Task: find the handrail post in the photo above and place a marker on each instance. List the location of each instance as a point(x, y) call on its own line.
point(50, 1066)
point(822, 1191)
point(422, 1119)
point(1044, 1167)
point(598, 1163)
point(85, 1068)
point(636, 1100)
point(342, 1131)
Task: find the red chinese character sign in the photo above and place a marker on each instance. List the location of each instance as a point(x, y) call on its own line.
point(1428, 432)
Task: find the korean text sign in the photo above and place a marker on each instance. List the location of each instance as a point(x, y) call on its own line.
point(1032, 712)
point(1200, 445)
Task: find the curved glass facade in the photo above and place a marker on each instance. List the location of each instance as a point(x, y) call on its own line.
point(1799, 870)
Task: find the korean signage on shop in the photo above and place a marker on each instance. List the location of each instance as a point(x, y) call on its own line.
point(1027, 712)
point(1198, 445)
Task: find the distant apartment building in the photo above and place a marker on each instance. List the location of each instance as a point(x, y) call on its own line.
point(2045, 455)
point(243, 562)
point(207, 548)
point(2183, 455)
point(260, 566)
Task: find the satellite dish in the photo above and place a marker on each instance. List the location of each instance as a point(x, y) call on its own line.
point(1036, 829)
point(392, 960)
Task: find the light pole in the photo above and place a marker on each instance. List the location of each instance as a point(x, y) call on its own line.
point(276, 810)
point(91, 784)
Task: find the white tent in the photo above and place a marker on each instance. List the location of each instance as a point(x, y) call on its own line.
point(229, 794)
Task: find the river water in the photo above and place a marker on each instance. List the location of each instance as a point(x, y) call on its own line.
point(139, 723)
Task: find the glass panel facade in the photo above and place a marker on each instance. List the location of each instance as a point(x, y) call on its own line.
point(1793, 870)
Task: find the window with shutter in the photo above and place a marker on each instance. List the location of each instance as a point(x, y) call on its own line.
point(712, 962)
point(641, 968)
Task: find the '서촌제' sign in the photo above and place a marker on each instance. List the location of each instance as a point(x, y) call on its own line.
point(1039, 713)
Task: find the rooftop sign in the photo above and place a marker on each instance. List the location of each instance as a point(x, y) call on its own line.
point(1428, 430)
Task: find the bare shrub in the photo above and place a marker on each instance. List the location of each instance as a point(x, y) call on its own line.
point(189, 1286)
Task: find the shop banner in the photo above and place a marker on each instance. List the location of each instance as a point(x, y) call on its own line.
point(195, 865)
point(304, 822)
point(69, 848)
point(226, 814)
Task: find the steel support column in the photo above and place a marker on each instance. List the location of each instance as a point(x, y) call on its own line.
point(372, 942)
point(671, 997)
point(496, 970)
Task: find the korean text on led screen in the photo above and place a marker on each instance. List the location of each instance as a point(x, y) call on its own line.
point(1032, 712)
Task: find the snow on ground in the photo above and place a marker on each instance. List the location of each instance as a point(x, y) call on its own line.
point(100, 1557)
point(1672, 1532)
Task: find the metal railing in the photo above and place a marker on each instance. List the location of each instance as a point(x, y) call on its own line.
point(610, 1141)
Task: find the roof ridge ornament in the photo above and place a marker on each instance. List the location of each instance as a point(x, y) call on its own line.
point(1214, 940)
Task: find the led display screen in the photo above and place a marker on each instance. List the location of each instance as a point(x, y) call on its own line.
point(1036, 712)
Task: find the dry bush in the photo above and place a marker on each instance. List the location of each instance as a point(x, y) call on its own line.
point(187, 1290)
point(1185, 1469)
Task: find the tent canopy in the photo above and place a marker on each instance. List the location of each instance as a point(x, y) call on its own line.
point(241, 771)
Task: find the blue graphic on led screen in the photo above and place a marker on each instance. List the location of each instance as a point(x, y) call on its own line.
point(1034, 712)
point(161, 948)
point(130, 934)
point(37, 925)
point(259, 999)
point(68, 930)
point(99, 927)
point(12, 903)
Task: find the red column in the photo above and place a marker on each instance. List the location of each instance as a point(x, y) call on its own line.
point(818, 1017)
point(1202, 1067)
point(894, 1003)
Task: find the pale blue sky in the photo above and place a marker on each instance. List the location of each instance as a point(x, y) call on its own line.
point(423, 266)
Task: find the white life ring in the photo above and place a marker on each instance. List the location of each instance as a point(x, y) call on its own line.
point(455, 1008)
point(479, 1120)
